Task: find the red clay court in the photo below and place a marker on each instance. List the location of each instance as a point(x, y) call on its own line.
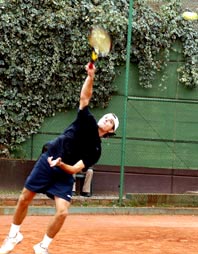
point(106, 234)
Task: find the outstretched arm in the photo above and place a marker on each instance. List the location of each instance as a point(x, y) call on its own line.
point(87, 88)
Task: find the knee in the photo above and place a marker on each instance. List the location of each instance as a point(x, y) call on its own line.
point(62, 214)
point(62, 207)
point(24, 199)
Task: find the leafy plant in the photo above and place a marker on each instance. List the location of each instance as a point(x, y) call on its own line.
point(43, 51)
point(154, 34)
point(44, 47)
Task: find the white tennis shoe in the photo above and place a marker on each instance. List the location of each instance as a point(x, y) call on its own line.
point(10, 242)
point(38, 249)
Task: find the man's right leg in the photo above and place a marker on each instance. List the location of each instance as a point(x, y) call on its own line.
point(14, 237)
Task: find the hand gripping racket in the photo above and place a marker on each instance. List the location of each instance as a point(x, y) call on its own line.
point(100, 42)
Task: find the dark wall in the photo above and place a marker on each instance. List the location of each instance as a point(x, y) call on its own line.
point(106, 179)
point(13, 173)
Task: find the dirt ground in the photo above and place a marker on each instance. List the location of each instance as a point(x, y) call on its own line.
point(106, 234)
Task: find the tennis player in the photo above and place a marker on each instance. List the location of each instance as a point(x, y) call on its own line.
point(77, 149)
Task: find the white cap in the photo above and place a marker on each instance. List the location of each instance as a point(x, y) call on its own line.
point(116, 122)
point(111, 116)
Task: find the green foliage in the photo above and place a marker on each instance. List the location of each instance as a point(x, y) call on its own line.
point(44, 47)
point(43, 51)
point(154, 34)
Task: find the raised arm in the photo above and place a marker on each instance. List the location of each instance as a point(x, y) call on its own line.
point(87, 88)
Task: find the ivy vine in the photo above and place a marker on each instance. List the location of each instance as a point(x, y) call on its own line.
point(44, 47)
point(154, 34)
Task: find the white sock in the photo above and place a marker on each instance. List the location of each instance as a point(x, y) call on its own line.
point(14, 229)
point(46, 241)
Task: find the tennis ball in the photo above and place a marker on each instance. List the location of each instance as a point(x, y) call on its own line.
point(189, 15)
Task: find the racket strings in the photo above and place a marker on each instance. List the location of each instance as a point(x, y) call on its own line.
point(100, 41)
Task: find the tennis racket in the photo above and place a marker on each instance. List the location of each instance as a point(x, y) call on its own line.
point(100, 42)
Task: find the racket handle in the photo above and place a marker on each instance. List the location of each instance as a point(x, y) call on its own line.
point(91, 64)
point(94, 57)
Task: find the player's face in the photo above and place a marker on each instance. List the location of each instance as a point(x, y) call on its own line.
point(106, 123)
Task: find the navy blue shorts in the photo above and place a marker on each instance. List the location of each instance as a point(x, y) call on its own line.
point(50, 181)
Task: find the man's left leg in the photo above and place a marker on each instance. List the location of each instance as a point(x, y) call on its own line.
point(54, 227)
